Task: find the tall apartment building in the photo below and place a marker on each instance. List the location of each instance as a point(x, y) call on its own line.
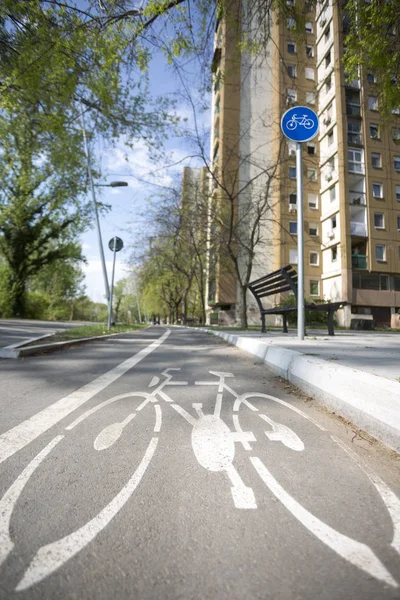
point(351, 170)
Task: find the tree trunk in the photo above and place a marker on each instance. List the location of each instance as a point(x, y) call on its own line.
point(17, 294)
point(243, 306)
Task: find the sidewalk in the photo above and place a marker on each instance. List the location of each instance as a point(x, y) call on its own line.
point(356, 374)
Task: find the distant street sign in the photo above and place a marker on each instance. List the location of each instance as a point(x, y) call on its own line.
point(300, 124)
point(119, 244)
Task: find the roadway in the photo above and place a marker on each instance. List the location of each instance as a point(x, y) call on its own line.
point(16, 331)
point(166, 464)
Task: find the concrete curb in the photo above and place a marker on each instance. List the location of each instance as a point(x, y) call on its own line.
point(369, 401)
point(47, 348)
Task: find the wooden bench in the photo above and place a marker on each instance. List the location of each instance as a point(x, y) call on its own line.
point(285, 280)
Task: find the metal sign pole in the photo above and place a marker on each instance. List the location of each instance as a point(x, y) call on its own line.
point(112, 286)
point(300, 124)
point(300, 242)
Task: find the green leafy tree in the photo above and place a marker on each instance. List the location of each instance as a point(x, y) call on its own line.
point(41, 205)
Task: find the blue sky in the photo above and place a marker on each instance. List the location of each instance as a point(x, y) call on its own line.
point(134, 166)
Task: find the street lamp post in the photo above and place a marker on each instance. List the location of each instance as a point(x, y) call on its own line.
point(96, 212)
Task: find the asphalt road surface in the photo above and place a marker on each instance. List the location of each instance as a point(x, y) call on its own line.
point(16, 331)
point(164, 464)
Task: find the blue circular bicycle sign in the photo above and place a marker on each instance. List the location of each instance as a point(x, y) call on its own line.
point(300, 124)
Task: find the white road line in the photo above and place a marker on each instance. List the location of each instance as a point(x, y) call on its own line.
point(54, 555)
point(243, 398)
point(157, 426)
point(93, 410)
point(354, 552)
point(20, 436)
point(9, 500)
point(184, 414)
point(391, 501)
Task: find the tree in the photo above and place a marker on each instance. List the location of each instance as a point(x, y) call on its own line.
point(373, 42)
point(61, 282)
point(42, 209)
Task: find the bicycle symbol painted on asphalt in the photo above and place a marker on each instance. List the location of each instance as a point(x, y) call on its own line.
point(303, 121)
point(214, 445)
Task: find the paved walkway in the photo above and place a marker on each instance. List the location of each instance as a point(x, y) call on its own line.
point(374, 352)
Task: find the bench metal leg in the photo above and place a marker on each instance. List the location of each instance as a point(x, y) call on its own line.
point(330, 323)
point(263, 328)
point(285, 329)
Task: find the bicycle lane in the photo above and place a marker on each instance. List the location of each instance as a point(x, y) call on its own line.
point(151, 490)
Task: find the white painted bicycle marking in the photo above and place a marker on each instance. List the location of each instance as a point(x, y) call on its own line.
point(54, 555)
point(111, 434)
point(356, 553)
point(21, 435)
point(283, 434)
point(157, 426)
point(391, 501)
point(9, 500)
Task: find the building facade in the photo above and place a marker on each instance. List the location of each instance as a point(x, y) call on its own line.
point(351, 169)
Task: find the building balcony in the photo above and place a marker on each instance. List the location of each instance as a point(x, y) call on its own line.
point(357, 198)
point(354, 138)
point(353, 110)
point(359, 261)
point(357, 228)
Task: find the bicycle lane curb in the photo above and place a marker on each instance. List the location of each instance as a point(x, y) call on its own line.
point(369, 401)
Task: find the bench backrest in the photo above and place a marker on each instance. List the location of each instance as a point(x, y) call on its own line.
point(283, 280)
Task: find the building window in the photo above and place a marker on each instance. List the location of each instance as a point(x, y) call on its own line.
point(327, 33)
point(313, 201)
point(292, 172)
point(380, 253)
point(372, 103)
point(291, 69)
point(328, 59)
point(374, 131)
point(396, 163)
point(310, 97)
point(396, 134)
point(398, 193)
point(371, 78)
point(312, 174)
point(292, 201)
point(332, 193)
point(354, 131)
point(379, 221)
point(310, 73)
point(293, 227)
point(377, 190)
point(311, 150)
point(291, 95)
point(398, 223)
point(314, 259)
point(293, 257)
point(330, 138)
point(334, 253)
point(376, 160)
point(291, 48)
point(309, 27)
point(355, 160)
point(313, 229)
point(314, 288)
point(291, 23)
point(309, 51)
point(328, 84)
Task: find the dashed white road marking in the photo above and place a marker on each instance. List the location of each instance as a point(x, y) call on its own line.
point(391, 501)
point(18, 437)
point(54, 555)
point(354, 552)
point(9, 500)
